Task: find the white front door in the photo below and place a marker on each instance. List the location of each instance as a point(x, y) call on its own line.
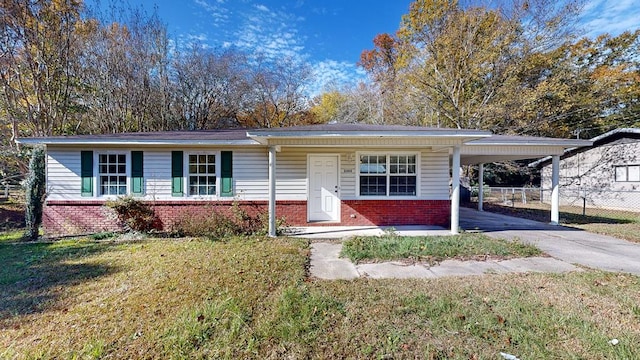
point(323, 203)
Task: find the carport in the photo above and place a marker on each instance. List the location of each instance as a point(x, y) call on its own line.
point(499, 148)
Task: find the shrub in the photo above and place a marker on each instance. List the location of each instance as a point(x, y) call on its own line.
point(34, 193)
point(135, 215)
point(218, 223)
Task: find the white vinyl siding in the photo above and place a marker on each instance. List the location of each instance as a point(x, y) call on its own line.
point(250, 172)
point(63, 174)
point(157, 174)
point(434, 175)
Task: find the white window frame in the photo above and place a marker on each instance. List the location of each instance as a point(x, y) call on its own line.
point(96, 172)
point(388, 155)
point(186, 174)
point(626, 172)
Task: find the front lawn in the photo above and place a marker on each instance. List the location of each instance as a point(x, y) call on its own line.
point(433, 249)
point(251, 298)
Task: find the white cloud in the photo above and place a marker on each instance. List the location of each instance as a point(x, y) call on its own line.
point(613, 17)
point(272, 33)
point(332, 74)
point(218, 13)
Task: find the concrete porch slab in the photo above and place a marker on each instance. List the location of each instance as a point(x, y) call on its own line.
point(342, 232)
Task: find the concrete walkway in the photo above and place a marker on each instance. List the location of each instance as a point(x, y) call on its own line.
point(326, 264)
point(565, 245)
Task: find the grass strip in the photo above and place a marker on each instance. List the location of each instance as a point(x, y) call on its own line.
point(432, 248)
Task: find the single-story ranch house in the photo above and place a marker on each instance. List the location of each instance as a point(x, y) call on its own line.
point(333, 174)
point(604, 175)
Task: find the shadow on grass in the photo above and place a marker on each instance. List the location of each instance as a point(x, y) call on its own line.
point(11, 216)
point(542, 215)
point(35, 275)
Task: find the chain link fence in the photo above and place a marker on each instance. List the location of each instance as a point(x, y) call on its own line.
point(622, 204)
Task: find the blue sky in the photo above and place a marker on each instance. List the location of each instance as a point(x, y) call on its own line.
point(328, 34)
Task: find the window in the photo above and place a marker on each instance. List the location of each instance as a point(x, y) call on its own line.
point(388, 175)
point(202, 174)
point(626, 173)
point(112, 174)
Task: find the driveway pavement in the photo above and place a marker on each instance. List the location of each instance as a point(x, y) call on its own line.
point(564, 243)
point(566, 246)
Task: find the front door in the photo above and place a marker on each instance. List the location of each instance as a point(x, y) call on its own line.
point(323, 203)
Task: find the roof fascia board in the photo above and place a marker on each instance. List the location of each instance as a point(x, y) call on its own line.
point(46, 141)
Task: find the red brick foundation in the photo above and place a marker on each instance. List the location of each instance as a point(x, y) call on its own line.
point(82, 217)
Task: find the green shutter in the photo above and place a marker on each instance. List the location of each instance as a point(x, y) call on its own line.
point(137, 173)
point(86, 173)
point(226, 173)
point(176, 173)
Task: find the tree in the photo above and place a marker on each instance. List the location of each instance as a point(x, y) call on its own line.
point(124, 72)
point(277, 94)
point(39, 46)
point(211, 88)
point(459, 63)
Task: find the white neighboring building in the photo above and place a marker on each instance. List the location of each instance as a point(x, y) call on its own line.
point(604, 175)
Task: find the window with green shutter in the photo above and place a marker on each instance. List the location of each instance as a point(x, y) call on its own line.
point(86, 173)
point(177, 188)
point(137, 173)
point(226, 173)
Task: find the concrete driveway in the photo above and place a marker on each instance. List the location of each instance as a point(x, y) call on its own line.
point(567, 244)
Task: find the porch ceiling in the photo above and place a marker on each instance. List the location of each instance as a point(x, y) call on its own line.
point(504, 148)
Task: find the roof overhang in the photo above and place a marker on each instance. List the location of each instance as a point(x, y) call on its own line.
point(349, 138)
point(125, 142)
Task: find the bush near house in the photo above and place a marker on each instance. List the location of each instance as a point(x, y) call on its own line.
point(222, 222)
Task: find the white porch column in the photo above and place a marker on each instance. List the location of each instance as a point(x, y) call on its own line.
point(555, 190)
point(272, 191)
point(480, 186)
point(455, 190)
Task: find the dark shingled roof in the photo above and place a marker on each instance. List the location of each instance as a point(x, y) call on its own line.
point(218, 134)
point(356, 128)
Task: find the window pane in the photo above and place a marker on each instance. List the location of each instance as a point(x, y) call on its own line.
point(202, 178)
point(621, 173)
point(402, 185)
point(373, 164)
point(373, 185)
point(633, 173)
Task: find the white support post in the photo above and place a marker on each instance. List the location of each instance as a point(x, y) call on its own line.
point(480, 186)
point(555, 190)
point(272, 191)
point(455, 191)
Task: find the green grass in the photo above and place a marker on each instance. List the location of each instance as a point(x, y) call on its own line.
point(251, 298)
point(432, 248)
point(11, 236)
